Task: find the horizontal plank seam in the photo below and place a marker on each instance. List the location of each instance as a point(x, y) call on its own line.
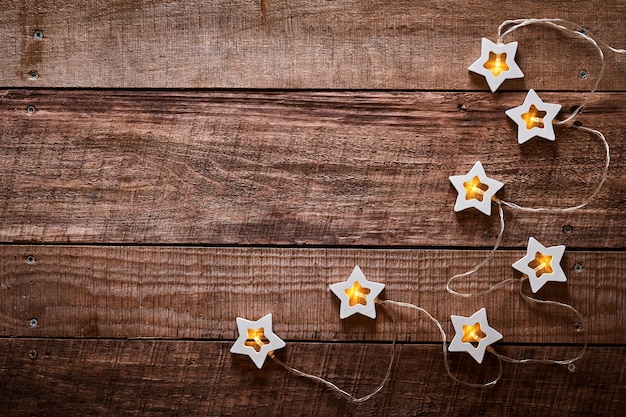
point(295, 90)
point(291, 341)
point(279, 246)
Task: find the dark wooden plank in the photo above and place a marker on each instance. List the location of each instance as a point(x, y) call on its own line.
point(296, 168)
point(112, 292)
point(162, 378)
point(294, 44)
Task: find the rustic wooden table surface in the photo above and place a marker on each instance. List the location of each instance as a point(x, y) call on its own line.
point(167, 166)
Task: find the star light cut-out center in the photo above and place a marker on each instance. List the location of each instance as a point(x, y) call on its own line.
point(473, 334)
point(475, 189)
point(256, 339)
point(357, 294)
point(496, 63)
point(534, 117)
point(542, 264)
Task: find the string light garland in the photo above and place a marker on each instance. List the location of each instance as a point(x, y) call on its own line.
point(357, 295)
point(540, 265)
point(534, 118)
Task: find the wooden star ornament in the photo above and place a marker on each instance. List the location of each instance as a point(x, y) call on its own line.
point(473, 334)
point(541, 264)
point(534, 118)
point(256, 339)
point(475, 189)
point(497, 63)
point(357, 295)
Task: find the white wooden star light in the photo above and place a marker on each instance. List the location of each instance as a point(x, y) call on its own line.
point(475, 189)
point(534, 118)
point(357, 295)
point(473, 334)
point(497, 63)
point(256, 339)
point(541, 264)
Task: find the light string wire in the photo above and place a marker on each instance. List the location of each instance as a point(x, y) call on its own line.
point(482, 263)
point(605, 174)
point(562, 25)
point(341, 391)
point(499, 202)
point(444, 347)
point(549, 361)
point(579, 31)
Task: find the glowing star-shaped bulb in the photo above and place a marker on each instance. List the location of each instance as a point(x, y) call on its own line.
point(497, 63)
point(475, 189)
point(357, 295)
point(473, 334)
point(534, 118)
point(256, 339)
point(541, 264)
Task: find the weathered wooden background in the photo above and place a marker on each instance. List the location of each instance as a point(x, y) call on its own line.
point(167, 166)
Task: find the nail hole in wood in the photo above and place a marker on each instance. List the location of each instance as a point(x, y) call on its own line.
point(30, 259)
point(33, 74)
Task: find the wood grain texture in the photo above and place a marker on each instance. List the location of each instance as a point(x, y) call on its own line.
point(383, 44)
point(113, 292)
point(163, 378)
point(322, 168)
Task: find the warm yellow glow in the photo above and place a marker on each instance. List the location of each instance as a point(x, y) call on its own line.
point(475, 189)
point(542, 264)
point(473, 334)
point(496, 63)
point(534, 117)
point(256, 338)
point(357, 294)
